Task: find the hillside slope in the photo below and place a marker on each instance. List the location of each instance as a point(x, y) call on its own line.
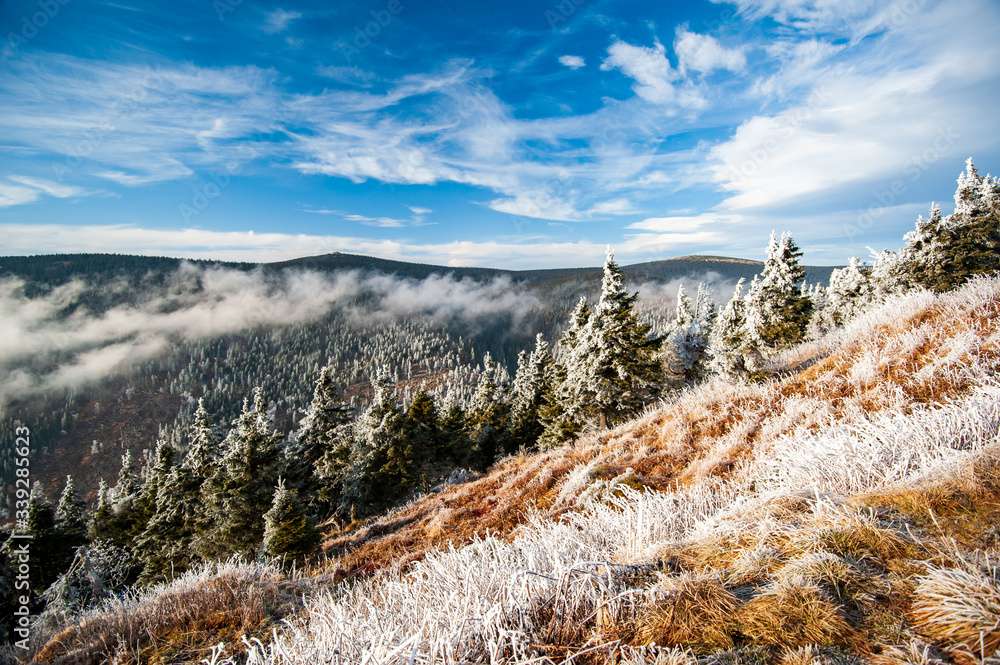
point(844, 510)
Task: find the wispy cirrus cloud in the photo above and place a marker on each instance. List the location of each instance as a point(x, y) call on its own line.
point(21, 189)
point(279, 20)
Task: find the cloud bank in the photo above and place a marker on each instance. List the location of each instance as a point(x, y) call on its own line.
point(52, 342)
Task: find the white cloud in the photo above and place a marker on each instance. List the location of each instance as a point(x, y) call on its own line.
point(647, 66)
point(572, 61)
point(55, 189)
point(22, 239)
point(279, 20)
point(869, 117)
point(28, 189)
point(13, 195)
point(619, 206)
point(685, 223)
point(704, 53)
point(849, 18)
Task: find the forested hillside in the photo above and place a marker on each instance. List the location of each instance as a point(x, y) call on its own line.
point(436, 340)
point(806, 473)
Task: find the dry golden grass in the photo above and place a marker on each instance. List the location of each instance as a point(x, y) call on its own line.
point(959, 609)
point(693, 611)
point(177, 626)
point(791, 614)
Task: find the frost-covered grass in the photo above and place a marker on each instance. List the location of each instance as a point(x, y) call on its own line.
point(831, 511)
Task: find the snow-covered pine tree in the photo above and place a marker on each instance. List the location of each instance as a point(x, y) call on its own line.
point(128, 482)
point(377, 436)
point(70, 515)
point(144, 506)
point(422, 431)
point(289, 534)
point(202, 444)
point(531, 383)
point(728, 341)
point(102, 516)
point(923, 250)
point(561, 413)
point(241, 485)
point(888, 274)
point(323, 441)
point(850, 292)
point(706, 311)
point(686, 343)
point(622, 372)
point(777, 312)
point(969, 240)
point(49, 556)
point(488, 414)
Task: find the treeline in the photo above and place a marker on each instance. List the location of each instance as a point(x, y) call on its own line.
point(256, 492)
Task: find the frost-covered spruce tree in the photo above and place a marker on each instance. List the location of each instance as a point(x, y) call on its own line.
point(422, 431)
point(706, 311)
point(777, 312)
point(923, 249)
point(128, 482)
point(166, 544)
point(379, 465)
point(322, 443)
point(488, 414)
point(202, 443)
point(684, 352)
point(531, 383)
point(70, 516)
point(289, 533)
point(241, 485)
point(889, 275)
point(621, 372)
point(102, 516)
point(850, 291)
point(561, 413)
point(49, 556)
point(968, 243)
point(727, 344)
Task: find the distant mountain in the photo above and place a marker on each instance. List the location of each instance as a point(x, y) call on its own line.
point(58, 267)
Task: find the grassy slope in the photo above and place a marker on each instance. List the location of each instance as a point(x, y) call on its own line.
point(844, 510)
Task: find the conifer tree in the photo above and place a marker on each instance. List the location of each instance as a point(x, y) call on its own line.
point(727, 343)
point(241, 485)
point(687, 341)
point(422, 430)
point(321, 445)
point(850, 292)
point(70, 516)
point(622, 372)
point(777, 312)
point(128, 483)
point(561, 412)
point(379, 464)
point(101, 520)
point(969, 239)
point(531, 383)
point(289, 533)
point(50, 554)
point(202, 445)
point(487, 415)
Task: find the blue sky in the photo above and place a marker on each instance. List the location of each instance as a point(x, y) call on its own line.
point(514, 134)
